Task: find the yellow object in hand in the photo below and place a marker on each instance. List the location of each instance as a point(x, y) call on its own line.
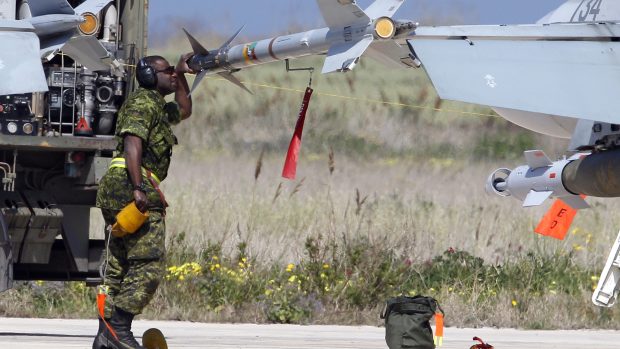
point(129, 220)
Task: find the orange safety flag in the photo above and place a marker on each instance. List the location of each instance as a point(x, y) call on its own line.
point(101, 296)
point(290, 165)
point(557, 220)
point(102, 293)
point(438, 329)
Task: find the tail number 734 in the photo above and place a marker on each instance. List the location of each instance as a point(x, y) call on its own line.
point(587, 11)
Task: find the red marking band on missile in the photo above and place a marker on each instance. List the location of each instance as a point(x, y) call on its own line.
point(271, 53)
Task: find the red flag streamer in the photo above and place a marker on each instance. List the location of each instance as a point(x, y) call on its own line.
point(290, 165)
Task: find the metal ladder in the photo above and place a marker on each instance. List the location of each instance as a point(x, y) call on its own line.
point(607, 289)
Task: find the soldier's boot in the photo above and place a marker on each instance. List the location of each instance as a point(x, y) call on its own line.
point(100, 342)
point(121, 324)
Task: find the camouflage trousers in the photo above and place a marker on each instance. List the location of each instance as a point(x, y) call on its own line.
point(134, 265)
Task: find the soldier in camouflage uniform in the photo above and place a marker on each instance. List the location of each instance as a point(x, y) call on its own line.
point(135, 263)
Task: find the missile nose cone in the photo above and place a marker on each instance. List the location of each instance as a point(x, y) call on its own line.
point(496, 183)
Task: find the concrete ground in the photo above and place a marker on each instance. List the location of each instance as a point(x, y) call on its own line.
point(43, 333)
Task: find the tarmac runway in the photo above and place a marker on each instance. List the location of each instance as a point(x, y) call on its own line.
point(44, 333)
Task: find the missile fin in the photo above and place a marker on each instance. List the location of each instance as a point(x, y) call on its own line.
point(343, 57)
point(383, 8)
point(89, 52)
point(92, 6)
point(228, 76)
point(197, 81)
point(342, 13)
point(576, 202)
point(536, 198)
point(227, 43)
point(196, 46)
point(537, 159)
point(389, 53)
point(50, 7)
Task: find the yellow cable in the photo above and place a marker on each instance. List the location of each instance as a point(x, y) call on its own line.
point(333, 95)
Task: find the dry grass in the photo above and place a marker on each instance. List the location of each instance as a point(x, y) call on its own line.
point(434, 205)
point(403, 176)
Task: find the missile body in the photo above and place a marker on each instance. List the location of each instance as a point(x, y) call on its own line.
point(313, 42)
point(541, 179)
point(350, 33)
point(596, 175)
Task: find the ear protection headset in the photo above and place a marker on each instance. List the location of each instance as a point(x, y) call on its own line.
point(146, 75)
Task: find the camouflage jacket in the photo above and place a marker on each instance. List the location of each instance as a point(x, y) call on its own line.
point(145, 114)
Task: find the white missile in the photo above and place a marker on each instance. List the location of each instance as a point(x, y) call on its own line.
point(535, 182)
point(350, 33)
point(55, 22)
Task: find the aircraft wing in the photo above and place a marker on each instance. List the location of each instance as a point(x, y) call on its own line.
point(569, 70)
point(339, 15)
point(20, 67)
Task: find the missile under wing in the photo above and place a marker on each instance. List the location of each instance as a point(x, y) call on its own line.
point(21, 65)
point(567, 70)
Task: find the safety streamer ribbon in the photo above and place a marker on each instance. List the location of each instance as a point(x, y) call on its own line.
point(290, 165)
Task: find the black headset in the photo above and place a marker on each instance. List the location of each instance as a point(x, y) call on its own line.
point(146, 75)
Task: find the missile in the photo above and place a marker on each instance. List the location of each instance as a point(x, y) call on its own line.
point(541, 179)
point(55, 21)
point(55, 24)
point(350, 32)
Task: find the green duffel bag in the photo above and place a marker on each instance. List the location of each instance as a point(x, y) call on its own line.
point(407, 322)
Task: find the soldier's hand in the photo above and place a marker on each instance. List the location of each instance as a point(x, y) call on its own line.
point(140, 198)
point(182, 66)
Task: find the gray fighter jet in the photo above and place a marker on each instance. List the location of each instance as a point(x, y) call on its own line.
point(559, 77)
point(44, 28)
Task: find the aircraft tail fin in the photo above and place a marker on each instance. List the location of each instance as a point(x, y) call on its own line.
point(579, 11)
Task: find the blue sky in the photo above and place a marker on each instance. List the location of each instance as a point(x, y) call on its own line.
point(269, 17)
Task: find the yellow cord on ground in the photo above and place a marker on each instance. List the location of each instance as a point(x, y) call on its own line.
point(376, 101)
